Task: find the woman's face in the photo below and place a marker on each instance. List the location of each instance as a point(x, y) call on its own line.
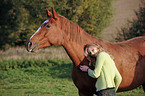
point(93, 51)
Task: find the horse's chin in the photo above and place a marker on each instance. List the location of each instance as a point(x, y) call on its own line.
point(33, 50)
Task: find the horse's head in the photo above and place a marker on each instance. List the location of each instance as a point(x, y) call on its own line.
point(49, 33)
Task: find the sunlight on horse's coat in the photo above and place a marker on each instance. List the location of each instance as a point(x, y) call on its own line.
point(46, 21)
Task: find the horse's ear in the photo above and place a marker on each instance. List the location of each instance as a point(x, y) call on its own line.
point(49, 14)
point(55, 16)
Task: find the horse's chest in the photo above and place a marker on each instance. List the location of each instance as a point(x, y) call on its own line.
point(82, 80)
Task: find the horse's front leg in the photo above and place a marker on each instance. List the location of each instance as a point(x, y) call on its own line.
point(85, 93)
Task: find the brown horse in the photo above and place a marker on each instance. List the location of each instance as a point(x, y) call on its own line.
point(129, 55)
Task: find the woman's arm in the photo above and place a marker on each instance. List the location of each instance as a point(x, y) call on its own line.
point(98, 66)
point(117, 79)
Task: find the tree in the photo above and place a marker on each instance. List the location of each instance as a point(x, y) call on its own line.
point(92, 15)
point(136, 28)
point(20, 18)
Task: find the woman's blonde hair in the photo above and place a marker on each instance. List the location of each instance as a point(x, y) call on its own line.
point(91, 45)
point(94, 45)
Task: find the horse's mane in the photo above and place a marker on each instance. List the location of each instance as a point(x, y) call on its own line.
point(72, 30)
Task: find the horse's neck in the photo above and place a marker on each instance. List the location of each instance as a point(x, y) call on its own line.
point(75, 40)
point(75, 50)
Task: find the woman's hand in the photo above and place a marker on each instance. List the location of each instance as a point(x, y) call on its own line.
point(84, 68)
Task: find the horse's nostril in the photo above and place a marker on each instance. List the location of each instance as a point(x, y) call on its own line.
point(29, 44)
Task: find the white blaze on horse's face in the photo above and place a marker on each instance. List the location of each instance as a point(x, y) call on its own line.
point(39, 28)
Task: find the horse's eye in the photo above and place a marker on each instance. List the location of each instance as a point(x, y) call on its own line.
point(47, 26)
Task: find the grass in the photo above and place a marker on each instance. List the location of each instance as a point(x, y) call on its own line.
point(52, 80)
point(41, 76)
point(135, 92)
point(38, 81)
point(21, 53)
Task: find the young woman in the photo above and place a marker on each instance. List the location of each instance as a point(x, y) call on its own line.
point(108, 77)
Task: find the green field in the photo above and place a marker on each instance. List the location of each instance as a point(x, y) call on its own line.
point(48, 80)
point(40, 76)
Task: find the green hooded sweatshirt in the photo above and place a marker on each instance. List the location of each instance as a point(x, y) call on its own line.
point(106, 72)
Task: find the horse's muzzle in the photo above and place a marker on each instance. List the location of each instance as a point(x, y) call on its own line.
point(31, 46)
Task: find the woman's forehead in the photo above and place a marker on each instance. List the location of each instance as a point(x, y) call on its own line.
point(92, 48)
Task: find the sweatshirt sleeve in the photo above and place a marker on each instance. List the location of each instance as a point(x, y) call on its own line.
point(117, 80)
point(98, 66)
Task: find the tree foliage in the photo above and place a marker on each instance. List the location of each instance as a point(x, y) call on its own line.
point(20, 18)
point(137, 26)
